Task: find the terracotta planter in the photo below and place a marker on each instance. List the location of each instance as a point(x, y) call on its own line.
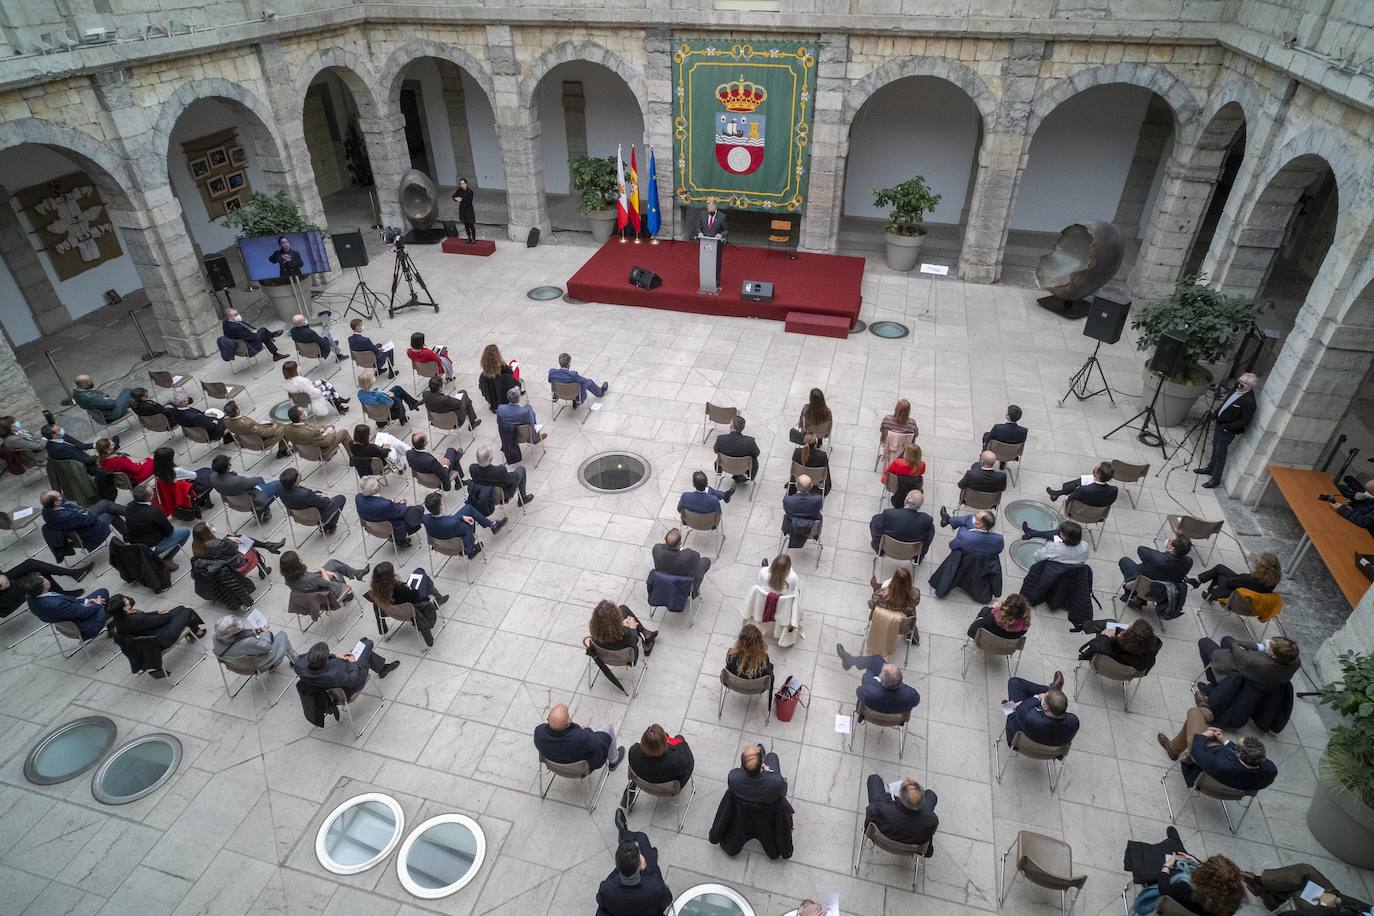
point(1343, 825)
point(1175, 400)
point(602, 223)
point(902, 252)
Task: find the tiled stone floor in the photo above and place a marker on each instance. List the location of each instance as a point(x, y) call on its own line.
point(233, 831)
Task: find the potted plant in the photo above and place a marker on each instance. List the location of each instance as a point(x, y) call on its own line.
point(1341, 815)
point(594, 180)
point(270, 215)
point(1209, 320)
point(909, 201)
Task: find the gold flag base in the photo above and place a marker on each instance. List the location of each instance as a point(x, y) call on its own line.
point(637, 240)
point(622, 240)
point(653, 241)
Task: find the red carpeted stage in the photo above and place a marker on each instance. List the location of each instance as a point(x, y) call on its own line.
point(815, 294)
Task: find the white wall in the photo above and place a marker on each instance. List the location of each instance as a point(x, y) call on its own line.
point(1079, 159)
point(25, 166)
point(486, 147)
point(14, 311)
point(202, 117)
point(612, 119)
point(438, 142)
point(481, 128)
point(920, 125)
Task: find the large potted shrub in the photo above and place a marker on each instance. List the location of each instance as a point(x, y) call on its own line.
point(1341, 815)
point(1209, 320)
point(594, 180)
point(904, 233)
point(271, 215)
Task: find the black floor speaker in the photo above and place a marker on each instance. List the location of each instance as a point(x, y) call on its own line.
point(451, 228)
point(645, 278)
point(1106, 319)
point(1169, 354)
point(350, 249)
point(757, 291)
point(532, 240)
point(217, 269)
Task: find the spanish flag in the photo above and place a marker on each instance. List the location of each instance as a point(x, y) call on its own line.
point(633, 189)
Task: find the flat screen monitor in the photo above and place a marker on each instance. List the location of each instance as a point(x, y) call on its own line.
point(257, 254)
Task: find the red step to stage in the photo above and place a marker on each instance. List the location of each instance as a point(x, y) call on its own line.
point(819, 325)
point(481, 248)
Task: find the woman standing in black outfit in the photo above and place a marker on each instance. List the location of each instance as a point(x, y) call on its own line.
point(466, 214)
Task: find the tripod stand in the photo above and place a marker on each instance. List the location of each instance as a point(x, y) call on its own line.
point(1199, 434)
point(1147, 417)
point(1078, 385)
point(405, 268)
point(363, 294)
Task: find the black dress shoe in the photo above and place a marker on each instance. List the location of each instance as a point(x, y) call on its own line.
point(388, 668)
point(620, 821)
point(944, 517)
point(497, 525)
point(81, 572)
point(1202, 470)
point(619, 756)
point(726, 497)
point(277, 357)
point(1211, 484)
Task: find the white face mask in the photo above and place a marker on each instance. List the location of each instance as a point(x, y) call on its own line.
point(61, 432)
point(18, 424)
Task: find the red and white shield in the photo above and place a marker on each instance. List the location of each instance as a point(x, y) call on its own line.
point(739, 142)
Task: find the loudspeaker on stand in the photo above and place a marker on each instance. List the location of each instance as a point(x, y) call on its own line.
point(1106, 319)
point(1169, 354)
point(349, 248)
point(217, 269)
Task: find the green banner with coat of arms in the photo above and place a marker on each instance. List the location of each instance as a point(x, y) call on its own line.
point(742, 122)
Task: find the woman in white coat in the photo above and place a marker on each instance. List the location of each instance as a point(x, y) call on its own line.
point(321, 393)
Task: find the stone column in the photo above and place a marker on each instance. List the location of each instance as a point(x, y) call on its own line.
point(1150, 142)
point(16, 391)
point(575, 118)
point(1190, 178)
point(1357, 635)
point(820, 227)
point(519, 130)
point(456, 110)
point(288, 167)
point(1000, 163)
point(17, 252)
point(658, 125)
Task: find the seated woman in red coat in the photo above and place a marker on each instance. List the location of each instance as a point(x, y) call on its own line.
point(910, 464)
point(419, 353)
point(116, 462)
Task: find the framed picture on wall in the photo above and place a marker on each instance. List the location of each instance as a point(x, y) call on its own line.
point(217, 187)
point(218, 157)
point(232, 203)
point(238, 156)
point(235, 180)
point(200, 168)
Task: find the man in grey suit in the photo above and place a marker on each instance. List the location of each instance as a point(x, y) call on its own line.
point(712, 223)
point(224, 480)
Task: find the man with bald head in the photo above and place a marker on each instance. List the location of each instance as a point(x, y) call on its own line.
point(564, 741)
point(672, 558)
point(984, 476)
point(880, 688)
point(88, 397)
point(510, 480)
point(973, 533)
point(801, 510)
point(758, 778)
point(1233, 416)
point(908, 524)
point(302, 333)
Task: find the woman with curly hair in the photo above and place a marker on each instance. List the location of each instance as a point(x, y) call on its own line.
point(1009, 618)
point(497, 377)
point(748, 657)
point(1135, 646)
point(613, 627)
point(1221, 580)
point(889, 607)
point(1210, 887)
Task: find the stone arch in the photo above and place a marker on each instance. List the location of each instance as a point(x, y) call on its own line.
point(948, 70)
point(1212, 133)
point(110, 173)
point(591, 52)
point(412, 51)
point(355, 72)
point(261, 126)
point(1159, 81)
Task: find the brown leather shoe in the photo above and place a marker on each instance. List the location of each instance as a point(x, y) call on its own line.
point(1168, 746)
point(172, 565)
point(1057, 682)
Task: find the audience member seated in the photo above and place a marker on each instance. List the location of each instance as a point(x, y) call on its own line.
point(61, 447)
point(907, 524)
point(563, 741)
point(672, 558)
point(1009, 618)
point(358, 342)
point(1041, 711)
point(88, 397)
point(899, 421)
point(436, 401)
point(178, 491)
point(12, 595)
point(417, 589)
point(1211, 887)
point(328, 578)
point(460, 524)
point(907, 818)
point(295, 496)
point(984, 477)
point(636, 886)
point(702, 498)
point(613, 627)
point(748, 657)
point(260, 645)
point(1221, 580)
point(235, 328)
point(302, 333)
point(565, 374)
point(319, 669)
point(144, 406)
point(1288, 884)
point(373, 507)
point(205, 542)
point(909, 464)
point(419, 353)
point(814, 415)
point(117, 462)
point(364, 448)
point(1010, 432)
point(326, 438)
point(321, 393)
point(973, 533)
point(51, 605)
point(800, 511)
point(1065, 544)
point(880, 686)
point(1096, 492)
point(659, 758)
point(444, 467)
point(754, 806)
point(182, 414)
point(810, 455)
point(395, 399)
point(145, 524)
point(735, 444)
point(1357, 491)
point(124, 619)
point(1135, 646)
point(510, 480)
point(889, 607)
point(1170, 566)
point(91, 525)
point(510, 416)
point(32, 449)
point(227, 483)
point(271, 433)
point(496, 378)
point(1266, 665)
point(778, 576)
point(1239, 764)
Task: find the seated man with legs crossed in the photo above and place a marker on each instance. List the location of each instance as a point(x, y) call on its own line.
point(1041, 711)
point(908, 817)
point(880, 688)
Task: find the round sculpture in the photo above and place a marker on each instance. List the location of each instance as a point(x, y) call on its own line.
point(419, 199)
point(1084, 258)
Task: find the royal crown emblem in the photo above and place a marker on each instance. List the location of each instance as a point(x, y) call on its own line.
point(741, 95)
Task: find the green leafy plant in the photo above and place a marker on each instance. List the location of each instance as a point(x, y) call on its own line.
point(1349, 759)
point(1208, 318)
point(595, 180)
point(267, 214)
point(909, 201)
point(355, 155)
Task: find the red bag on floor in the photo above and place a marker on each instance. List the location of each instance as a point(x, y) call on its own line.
point(788, 696)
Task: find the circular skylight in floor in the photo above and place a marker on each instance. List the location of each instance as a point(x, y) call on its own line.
point(359, 833)
point(441, 856)
point(858, 327)
point(136, 769)
point(889, 329)
point(613, 472)
point(69, 750)
point(545, 292)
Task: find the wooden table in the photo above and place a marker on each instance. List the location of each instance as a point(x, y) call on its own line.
point(1336, 540)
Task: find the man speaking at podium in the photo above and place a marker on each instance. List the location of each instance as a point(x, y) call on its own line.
point(711, 224)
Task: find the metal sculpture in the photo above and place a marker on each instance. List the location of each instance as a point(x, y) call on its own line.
point(1084, 258)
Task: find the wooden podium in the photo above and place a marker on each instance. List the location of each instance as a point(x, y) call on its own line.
point(708, 266)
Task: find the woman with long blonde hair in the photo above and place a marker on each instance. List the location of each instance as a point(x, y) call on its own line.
point(748, 657)
point(1221, 580)
point(778, 575)
point(891, 603)
point(497, 377)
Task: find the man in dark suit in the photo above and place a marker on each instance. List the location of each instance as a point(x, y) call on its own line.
point(228, 483)
point(373, 507)
point(181, 413)
point(62, 447)
point(564, 741)
point(672, 558)
point(702, 498)
point(880, 686)
point(1267, 665)
point(1358, 511)
point(235, 328)
point(1233, 417)
point(1011, 432)
point(636, 887)
point(1238, 764)
point(800, 511)
point(907, 524)
point(735, 444)
point(426, 463)
point(145, 524)
point(1041, 712)
point(289, 262)
point(512, 481)
point(359, 342)
point(461, 524)
point(1099, 492)
point(565, 374)
point(92, 524)
point(1169, 565)
point(984, 476)
point(295, 496)
point(436, 401)
point(51, 606)
point(144, 406)
point(302, 333)
point(758, 778)
point(973, 532)
point(711, 223)
point(318, 668)
point(909, 818)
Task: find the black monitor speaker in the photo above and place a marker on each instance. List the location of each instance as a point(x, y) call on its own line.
point(645, 278)
point(757, 291)
point(1169, 354)
point(217, 269)
point(350, 249)
point(532, 240)
point(1106, 319)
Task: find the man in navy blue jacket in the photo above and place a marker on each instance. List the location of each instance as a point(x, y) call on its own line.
point(358, 342)
point(702, 498)
point(50, 606)
point(973, 533)
point(62, 447)
point(295, 496)
point(636, 887)
point(91, 525)
point(564, 741)
point(301, 332)
point(373, 507)
point(907, 524)
point(565, 374)
point(427, 463)
point(880, 688)
point(461, 524)
point(235, 328)
point(1238, 764)
point(1041, 712)
point(1010, 432)
point(800, 511)
point(1169, 565)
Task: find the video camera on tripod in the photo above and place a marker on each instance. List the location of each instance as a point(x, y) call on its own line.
point(393, 236)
